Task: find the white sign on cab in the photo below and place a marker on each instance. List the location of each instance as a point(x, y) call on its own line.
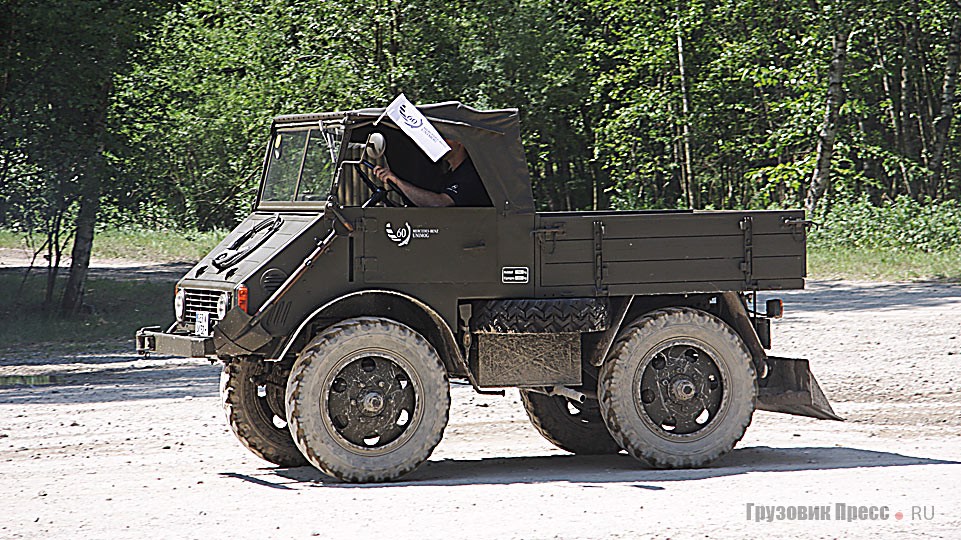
point(417, 127)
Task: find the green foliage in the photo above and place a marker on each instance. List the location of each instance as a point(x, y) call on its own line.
point(902, 225)
point(176, 98)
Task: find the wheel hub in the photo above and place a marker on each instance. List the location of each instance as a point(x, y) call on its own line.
point(370, 402)
point(680, 389)
point(683, 389)
point(373, 403)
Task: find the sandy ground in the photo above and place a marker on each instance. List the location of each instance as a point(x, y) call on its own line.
point(123, 447)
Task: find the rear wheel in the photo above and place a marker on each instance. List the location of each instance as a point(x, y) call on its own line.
point(255, 413)
point(678, 388)
point(575, 427)
point(368, 400)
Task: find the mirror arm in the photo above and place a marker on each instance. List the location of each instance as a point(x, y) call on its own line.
point(334, 206)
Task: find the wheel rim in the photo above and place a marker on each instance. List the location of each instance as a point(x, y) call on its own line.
point(679, 390)
point(269, 399)
point(578, 413)
point(370, 404)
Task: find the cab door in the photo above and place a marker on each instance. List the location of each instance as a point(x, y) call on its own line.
point(430, 246)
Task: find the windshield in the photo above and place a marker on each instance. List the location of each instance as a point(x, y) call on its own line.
point(300, 165)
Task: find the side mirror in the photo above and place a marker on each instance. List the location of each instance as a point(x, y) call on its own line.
point(376, 145)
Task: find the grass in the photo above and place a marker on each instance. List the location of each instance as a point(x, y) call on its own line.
point(140, 244)
point(119, 309)
point(883, 265)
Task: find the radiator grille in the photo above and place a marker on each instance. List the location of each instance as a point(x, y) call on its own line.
point(200, 300)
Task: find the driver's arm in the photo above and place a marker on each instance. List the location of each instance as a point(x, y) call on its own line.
point(417, 195)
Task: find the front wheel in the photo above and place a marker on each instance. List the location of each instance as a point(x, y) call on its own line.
point(678, 388)
point(368, 400)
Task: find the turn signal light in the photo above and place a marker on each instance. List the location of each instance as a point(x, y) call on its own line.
point(242, 297)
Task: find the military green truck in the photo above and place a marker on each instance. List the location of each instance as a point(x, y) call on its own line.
point(341, 312)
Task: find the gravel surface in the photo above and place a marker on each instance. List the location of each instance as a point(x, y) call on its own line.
point(122, 447)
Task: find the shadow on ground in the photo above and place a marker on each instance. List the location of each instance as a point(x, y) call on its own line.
point(96, 381)
point(599, 469)
point(825, 296)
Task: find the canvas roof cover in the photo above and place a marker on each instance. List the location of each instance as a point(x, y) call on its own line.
point(492, 139)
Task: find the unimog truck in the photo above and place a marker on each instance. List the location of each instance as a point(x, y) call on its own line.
point(341, 312)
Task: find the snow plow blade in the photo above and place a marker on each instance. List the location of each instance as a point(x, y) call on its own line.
point(790, 387)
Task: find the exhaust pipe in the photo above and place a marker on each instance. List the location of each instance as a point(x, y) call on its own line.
point(569, 393)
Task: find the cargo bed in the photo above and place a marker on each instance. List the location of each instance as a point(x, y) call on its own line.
point(620, 253)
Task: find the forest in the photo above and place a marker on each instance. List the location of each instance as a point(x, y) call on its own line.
point(154, 113)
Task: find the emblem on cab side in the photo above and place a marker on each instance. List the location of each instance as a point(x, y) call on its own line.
point(401, 236)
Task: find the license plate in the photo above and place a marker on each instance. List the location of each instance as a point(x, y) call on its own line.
point(203, 324)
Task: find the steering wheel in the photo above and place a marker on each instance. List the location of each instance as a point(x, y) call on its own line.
point(378, 193)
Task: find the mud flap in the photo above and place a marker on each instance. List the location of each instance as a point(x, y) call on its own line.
point(234, 335)
point(788, 386)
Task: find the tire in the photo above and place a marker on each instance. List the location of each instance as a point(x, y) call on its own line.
point(575, 427)
point(368, 400)
point(527, 316)
point(252, 418)
point(664, 368)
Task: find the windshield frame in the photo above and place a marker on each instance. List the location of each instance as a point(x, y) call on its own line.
point(320, 126)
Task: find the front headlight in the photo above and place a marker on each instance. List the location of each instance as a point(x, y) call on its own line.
point(180, 300)
point(223, 304)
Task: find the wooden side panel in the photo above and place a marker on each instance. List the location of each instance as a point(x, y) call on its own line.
point(669, 253)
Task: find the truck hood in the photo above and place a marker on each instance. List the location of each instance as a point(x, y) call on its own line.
point(251, 244)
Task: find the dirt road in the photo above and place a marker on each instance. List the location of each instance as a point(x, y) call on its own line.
point(121, 447)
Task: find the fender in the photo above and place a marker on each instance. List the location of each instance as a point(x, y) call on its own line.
point(732, 312)
point(440, 335)
point(737, 316)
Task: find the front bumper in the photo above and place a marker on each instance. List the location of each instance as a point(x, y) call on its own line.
point(153, 340)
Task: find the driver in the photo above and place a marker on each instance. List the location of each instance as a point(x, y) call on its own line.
point(464, 186)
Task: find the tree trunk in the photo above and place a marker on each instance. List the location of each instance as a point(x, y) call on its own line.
point(91, 178)
point(602, 200)
point(82, 247)
point(821, 178)
point(687, 174)
point(942, 126)
point(911, 118)
point(54, 252)
point(892, 90)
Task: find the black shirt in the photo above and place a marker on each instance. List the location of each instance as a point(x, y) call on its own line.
point(464, 186)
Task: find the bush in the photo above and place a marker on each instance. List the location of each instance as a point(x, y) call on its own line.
point(902, 225)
